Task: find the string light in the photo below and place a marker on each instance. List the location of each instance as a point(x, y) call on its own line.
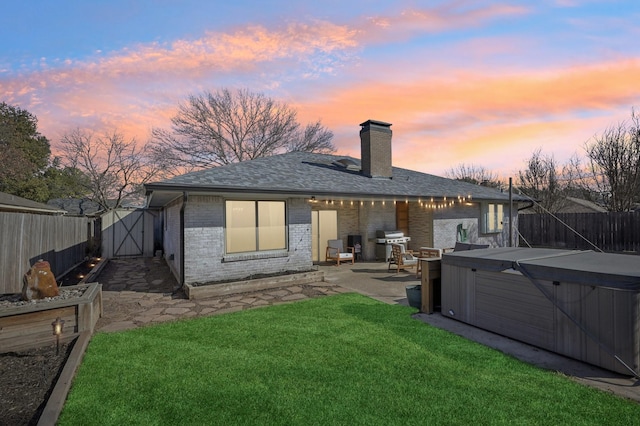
point(432, 203)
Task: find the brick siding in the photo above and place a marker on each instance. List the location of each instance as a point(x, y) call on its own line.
point(206, 261)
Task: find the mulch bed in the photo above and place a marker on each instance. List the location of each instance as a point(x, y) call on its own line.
point(27, 379)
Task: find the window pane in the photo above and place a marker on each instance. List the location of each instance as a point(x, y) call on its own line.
point(241, 226)
point(271, 225)
point(492, 217)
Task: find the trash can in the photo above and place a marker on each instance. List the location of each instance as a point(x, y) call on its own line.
point(414, 295)
point(355, 241)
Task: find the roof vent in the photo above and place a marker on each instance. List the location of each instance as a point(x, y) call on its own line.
point(348, 164)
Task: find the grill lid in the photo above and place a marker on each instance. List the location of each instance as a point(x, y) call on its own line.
point(389, 234)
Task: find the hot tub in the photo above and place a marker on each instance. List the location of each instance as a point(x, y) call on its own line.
point(581, 304)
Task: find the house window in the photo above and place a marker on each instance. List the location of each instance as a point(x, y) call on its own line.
point(492, 217)
point(255, 226)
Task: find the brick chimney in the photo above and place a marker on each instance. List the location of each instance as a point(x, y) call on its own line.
point(375, 145)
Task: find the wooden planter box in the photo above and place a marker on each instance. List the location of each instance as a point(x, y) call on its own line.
point(244, 286)
point(29, 326)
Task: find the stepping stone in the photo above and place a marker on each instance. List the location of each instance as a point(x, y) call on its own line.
point(144, 318)
point(176, 311)
point(207, 311)
point(295, 289)
point(146, 303)
point(296, 296)
point(248, 300)
point(186, 305)
point(163, 318)
point(140, 287)
point(116, 287)
point(154, 311)
point(211, 303)
point(260, 303)
point(229, 310)
point(320, 284)
point(278, 293)
point(265, 297)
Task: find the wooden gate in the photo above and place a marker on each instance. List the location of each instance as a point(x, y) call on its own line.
point(127, 233)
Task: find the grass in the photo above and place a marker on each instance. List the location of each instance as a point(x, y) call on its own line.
point(344, 359)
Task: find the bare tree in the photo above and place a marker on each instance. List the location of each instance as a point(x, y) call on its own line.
point(224, 127)
point(314, 138)
point(116, 168)
point(474, 174)
point(541, 181)
point(613, 168)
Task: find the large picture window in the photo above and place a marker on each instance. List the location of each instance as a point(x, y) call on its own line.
point(255, 226)
point(492, 217)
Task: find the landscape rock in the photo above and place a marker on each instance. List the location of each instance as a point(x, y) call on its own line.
point(39, 282)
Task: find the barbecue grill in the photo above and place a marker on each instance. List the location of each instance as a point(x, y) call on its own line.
point(384, 239)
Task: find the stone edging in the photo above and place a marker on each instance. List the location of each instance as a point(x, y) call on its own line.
point(224, 289)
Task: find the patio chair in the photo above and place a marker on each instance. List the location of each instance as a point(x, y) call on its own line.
point(401, 258)
point(337, 253)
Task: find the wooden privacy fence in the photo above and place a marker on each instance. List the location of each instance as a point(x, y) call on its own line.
point(27, 237)
point(611, 232)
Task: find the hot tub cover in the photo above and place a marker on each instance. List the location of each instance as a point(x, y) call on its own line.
point(621, 271)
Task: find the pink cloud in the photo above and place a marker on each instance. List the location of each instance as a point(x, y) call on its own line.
point(471, 117)
point(116, 89)
point(459, 14)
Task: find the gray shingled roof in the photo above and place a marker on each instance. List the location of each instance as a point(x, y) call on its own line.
point(308, 174)
point(13, 203)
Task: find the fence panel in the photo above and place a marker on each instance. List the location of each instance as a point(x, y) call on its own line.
point(26, 237)
point(611, 232)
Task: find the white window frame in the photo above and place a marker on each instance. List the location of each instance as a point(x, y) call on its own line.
point(257, 230)
point(492, 218)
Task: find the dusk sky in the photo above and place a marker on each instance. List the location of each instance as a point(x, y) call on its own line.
point(473, 82)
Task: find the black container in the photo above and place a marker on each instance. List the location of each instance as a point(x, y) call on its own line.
point(355, 241)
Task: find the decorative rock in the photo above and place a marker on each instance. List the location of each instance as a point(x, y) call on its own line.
point(39, 282)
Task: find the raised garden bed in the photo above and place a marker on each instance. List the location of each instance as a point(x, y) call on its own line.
point(28, 325)
point(203, 291)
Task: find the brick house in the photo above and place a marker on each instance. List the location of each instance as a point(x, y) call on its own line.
point(275, 214)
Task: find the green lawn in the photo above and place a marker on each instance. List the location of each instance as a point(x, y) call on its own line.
point(344, 359)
